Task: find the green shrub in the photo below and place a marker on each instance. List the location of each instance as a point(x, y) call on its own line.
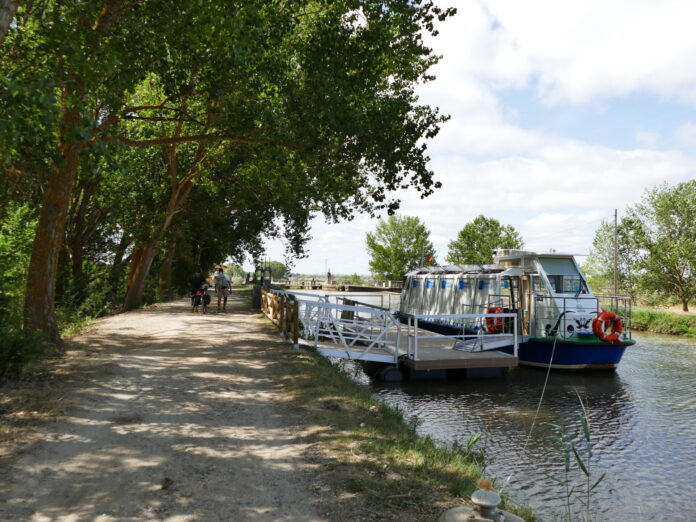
point(17, 231)
point(663, 322)
point(18, 350)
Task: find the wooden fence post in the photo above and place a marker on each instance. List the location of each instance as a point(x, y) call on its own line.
point(282, 315)
point(296, 325)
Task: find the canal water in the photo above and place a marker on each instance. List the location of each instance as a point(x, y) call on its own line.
point(642, 423)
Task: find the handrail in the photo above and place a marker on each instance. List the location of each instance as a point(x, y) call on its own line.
point(412, 346)
point(347, 326)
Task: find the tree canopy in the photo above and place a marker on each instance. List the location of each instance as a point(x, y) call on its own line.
point(476, 242)
point(656, 246)
point(662, 231)
point(399, 244)
point(123, 119)
point(600, 266)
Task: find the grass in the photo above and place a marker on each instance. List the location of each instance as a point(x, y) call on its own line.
point(650, 320)
point(28, 401)
point(387, 461)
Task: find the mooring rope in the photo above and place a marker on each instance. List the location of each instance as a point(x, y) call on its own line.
point(536, 414)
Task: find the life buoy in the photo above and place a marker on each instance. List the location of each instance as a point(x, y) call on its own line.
point(494, 324)
point(607, 321)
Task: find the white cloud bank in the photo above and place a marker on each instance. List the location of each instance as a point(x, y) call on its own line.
point(553, 189)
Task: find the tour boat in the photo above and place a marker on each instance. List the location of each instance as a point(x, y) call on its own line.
point(560, 321)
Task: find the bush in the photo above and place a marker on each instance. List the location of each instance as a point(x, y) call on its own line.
point(18, 350)
point(663, 322)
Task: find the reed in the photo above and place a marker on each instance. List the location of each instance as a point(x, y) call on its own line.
point(578, 502)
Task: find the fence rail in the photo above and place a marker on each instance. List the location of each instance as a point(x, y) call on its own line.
point(284, 312)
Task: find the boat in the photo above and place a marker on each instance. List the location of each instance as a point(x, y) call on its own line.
point(544, 301)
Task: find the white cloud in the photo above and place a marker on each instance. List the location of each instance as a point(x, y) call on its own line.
point(648, 139)
point(573, 51)
point(686, 135)
point(553, 189)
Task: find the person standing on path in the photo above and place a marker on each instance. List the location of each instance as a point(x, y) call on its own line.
point(222, 287)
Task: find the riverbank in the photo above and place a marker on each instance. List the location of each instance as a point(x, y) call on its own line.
point(159, 413)
point(664, 322)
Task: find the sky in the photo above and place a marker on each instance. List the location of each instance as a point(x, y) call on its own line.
point(561, 111)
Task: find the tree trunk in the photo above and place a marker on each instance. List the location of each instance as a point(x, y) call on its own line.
point(685, 305)
point(117, 267)
point(39, 301)
point(165, 282)
point(140, 265)
point(8, 9)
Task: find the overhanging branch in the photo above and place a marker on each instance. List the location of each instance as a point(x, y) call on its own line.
point(197, 138)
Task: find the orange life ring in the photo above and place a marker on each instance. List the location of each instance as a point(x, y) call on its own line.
point(607, 321)
point(494, 324)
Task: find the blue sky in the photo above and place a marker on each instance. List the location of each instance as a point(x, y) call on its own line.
point(560, 112)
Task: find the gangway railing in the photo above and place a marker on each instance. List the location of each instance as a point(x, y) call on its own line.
point(361, 332)
point(478, 338)
point(345, 331)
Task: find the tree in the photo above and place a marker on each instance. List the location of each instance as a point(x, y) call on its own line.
point(399, 245)
point(278, 270)
point(236, 271)
point(297, 87)
point(8, 8)
point(477, 240)
point(600, 266)
point(663, 232)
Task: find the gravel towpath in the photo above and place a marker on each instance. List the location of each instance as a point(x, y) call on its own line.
point(178, 417)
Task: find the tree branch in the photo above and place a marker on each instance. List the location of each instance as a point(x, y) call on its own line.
point(193, 139)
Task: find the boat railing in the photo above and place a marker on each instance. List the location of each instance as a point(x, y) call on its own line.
point(477, 338)
point(557, 315)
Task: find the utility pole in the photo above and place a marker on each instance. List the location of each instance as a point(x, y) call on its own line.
point(616, 253)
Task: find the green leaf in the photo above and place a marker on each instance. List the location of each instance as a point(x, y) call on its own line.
point(581, 464)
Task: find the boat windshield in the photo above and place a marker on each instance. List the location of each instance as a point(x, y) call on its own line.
point(563, 275)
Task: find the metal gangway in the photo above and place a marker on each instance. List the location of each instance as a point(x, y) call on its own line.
point(347, 331)
point(369, 333)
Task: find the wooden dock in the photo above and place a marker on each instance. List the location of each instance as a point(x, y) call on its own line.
point(437, 358)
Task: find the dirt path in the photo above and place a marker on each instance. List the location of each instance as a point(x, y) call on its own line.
point(178, 418)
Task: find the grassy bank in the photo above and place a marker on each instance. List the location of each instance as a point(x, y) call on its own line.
point(378, 451)
point(651, 320)
point(375, 450)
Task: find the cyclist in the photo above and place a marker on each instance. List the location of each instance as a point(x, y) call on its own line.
point(195, 282)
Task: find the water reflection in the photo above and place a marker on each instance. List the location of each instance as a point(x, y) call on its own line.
point(643, 422)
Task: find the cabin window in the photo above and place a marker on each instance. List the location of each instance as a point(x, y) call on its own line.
point(572, 284)
point(563, 275)
point(463, 284)
point(484, 285)
point(428, 283)
point(415, 283)
point(556, 282)
point(538, 286)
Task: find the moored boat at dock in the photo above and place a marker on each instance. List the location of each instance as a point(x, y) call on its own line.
point(560, 321)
